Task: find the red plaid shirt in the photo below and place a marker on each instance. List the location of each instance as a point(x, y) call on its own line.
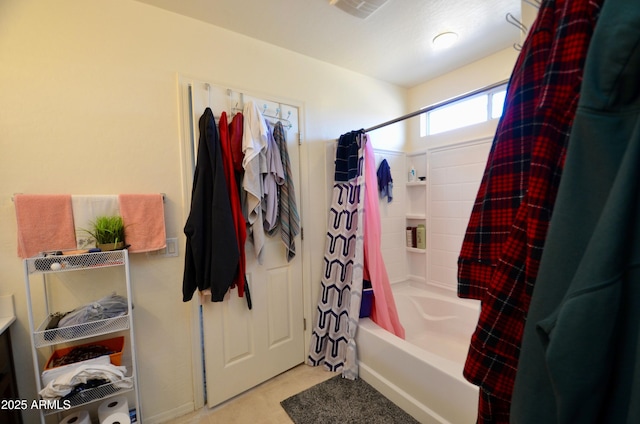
point(503, 244)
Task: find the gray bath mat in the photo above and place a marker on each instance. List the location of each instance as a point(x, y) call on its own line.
point(339, 400)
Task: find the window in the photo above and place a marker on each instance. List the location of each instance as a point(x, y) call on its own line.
point(466, 111)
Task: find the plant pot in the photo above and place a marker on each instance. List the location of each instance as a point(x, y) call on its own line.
point(105, 247)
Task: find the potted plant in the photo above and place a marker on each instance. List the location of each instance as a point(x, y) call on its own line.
point(108, 231)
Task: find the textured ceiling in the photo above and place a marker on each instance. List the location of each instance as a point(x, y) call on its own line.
point(394, 44)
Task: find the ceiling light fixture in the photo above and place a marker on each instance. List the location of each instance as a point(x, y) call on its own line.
point(444, 39)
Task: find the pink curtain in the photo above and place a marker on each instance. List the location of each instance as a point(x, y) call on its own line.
point(383, 312)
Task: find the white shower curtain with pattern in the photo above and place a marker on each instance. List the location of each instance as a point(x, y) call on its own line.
point(333, 337)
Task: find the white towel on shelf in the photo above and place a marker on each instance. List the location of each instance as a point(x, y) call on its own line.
point(86, 208)
point(65, 383)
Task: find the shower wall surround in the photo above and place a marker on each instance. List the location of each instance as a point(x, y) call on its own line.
point(455, 173)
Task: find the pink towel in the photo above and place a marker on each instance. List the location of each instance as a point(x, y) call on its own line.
point(384, 311)
point(143, 216)
point(45, 222)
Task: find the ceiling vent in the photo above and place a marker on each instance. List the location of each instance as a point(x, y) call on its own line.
point(359, 8)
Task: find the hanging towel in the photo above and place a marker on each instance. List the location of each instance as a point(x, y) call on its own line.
point(86, 208)
point(254, 146)
point(385, 182)
point(143, 216)
point(384, 312)
point(289, 218)
point(272, 181)
point(45, 222)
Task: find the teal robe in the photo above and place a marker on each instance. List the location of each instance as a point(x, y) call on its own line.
point(580, 355)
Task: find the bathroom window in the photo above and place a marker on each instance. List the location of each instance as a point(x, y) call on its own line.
point(467, 111)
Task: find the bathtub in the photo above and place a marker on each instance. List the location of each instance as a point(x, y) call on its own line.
point(423, 374)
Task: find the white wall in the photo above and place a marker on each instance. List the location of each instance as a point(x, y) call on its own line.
point(89, 105)
point(456, 162)
point(455, 173)
point(487, 71)
point(392, 217)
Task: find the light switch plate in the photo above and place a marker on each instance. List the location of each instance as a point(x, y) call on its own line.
point(171, 250)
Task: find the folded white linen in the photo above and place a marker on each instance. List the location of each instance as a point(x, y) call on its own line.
point(65, 383)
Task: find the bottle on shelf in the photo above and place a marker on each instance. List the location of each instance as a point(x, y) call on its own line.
point(409, 237)
point(412, 175)
point(421, 237)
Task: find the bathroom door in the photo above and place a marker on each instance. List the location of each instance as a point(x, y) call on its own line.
point(242, 347)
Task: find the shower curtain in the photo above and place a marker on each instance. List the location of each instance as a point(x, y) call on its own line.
point(333, 338)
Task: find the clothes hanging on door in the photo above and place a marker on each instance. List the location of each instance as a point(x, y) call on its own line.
point(239, 223)
point(219, 166)
point(235, 140)
point(272, 180)
point(580, 358)
point(289, 218)
point(501, 252)
point(254, 146)
point(211, 256)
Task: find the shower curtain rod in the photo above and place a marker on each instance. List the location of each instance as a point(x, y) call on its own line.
point(437, 105)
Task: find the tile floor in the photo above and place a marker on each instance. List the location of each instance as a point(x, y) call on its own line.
point(260, 405)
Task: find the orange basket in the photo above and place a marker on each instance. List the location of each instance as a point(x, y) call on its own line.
point(115, 344)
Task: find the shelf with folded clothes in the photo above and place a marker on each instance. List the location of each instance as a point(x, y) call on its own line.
point(106, 315)
point(84, 396)
point(43, 337)
point(81, 316)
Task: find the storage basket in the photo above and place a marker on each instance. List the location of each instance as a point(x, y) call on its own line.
point(115, 344)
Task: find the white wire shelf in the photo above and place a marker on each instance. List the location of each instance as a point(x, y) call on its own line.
point(98, 393)
point(43, 337)
point(69, 262)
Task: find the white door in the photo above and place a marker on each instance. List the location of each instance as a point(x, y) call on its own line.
point(242, 347)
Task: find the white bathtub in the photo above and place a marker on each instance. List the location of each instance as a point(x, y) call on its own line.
point(423, 374)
